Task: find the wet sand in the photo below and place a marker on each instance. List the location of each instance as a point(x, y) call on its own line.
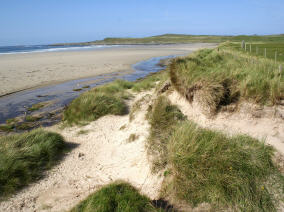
point(23, 71)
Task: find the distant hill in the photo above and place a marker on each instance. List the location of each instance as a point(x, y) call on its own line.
point(182, 38)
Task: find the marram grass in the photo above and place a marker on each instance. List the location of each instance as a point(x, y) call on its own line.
point(107, 99)
point(163, 118)
point(24, 157)
point(100, 101)
point(116, 197)
point(221, 77)
point(227, 172)
point(206, 166)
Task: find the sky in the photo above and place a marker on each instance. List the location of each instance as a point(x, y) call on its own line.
point(25, 22)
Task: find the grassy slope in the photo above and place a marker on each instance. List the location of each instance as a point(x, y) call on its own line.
point(207, 166)
point(24, 157)
point(116, 197)
point(226, 76)
point(235, 172)
point(162, 117)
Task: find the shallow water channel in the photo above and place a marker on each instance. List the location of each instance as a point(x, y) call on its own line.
point(58, 96)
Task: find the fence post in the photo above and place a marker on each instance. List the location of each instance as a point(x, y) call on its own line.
point(275, 56)
point(250, 48)
point(264, 52)
point(245, 47)
point(243, 44)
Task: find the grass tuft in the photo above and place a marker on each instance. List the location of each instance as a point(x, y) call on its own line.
point(7, 127)
point(118, 196)
point(227, 172)
point(31, 118)
point(24, 157)
point(37, 106)
point(100, 101)
point(163, 117)
point(150, 81)
point(77, 89)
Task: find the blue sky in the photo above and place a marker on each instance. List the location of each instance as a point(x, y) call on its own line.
point(52, 21)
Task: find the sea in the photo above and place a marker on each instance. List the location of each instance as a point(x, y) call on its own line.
point(48, 48)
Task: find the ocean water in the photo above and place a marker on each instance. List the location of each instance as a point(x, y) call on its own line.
point(48, 48)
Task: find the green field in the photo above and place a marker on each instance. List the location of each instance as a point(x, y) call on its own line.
point(258, 49)
point(180, 38)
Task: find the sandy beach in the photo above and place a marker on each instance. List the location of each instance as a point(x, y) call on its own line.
point(29, 70)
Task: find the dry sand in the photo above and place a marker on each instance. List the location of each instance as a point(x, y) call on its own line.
point(22, 71)
point(102, 155)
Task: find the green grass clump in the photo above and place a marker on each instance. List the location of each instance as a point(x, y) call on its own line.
point(31, 118)
point(77, 89)
point(25, 125)
point(108, 99)
point(100, 101)
point(115, 197)
point(226, 172)
point(163, 117)
point(215, 78)
point(37, 106)
point(11, 121)
point(150, 81)
point(24, 157)
point(7, 127)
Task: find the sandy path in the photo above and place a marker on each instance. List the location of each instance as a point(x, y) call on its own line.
point(106, 155)
point(266, 124)
point(22, 71)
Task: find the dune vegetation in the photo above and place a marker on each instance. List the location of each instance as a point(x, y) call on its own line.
point(24, 157)
point(100, 101)
point(219, 77)
point(226, 172)
point(163, 117)
point(118, 196)
point(205, 166)
point(107, 99)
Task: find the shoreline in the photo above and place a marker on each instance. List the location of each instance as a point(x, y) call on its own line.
point(21, 72)
point(15, 105)
point(53, 83)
